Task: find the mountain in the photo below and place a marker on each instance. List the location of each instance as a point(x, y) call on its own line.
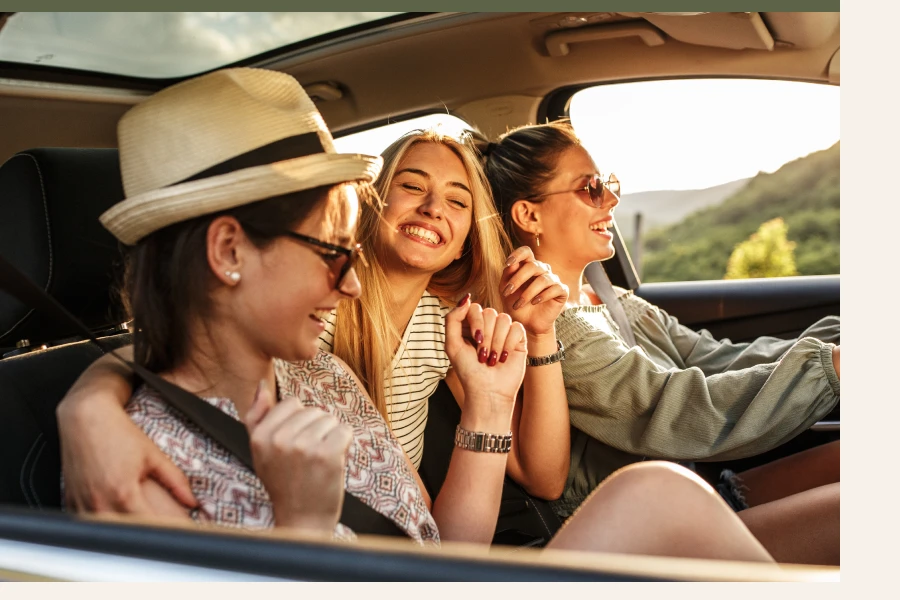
point(804, 192)
point(664, 207)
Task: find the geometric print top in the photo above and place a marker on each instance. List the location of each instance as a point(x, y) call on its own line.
point(230, 494)
point(417, 368)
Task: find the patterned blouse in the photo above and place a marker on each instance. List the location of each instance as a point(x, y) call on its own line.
point(230, 494)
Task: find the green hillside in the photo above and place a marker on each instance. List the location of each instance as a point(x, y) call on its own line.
point(804, 192)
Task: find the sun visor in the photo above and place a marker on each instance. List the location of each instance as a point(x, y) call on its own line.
point(736, 30)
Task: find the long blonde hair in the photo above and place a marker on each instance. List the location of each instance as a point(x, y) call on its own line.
point(365, 336)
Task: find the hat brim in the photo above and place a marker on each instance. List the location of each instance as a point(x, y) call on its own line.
point(136, 217)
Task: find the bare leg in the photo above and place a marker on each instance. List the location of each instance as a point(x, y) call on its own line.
point(804, 528)
point(658, 508)
point(793, 474)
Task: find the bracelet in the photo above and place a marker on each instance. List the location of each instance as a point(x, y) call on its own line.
point(478, 441)
point(540, 361)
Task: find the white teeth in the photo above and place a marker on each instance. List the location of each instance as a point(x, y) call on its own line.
point(423, 234)
point(599, 227)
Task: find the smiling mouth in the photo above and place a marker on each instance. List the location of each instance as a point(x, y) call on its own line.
point(601, 227)
point(321, 314)
point(421, 234)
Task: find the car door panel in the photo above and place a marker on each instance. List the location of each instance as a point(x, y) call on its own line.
point(748, 308)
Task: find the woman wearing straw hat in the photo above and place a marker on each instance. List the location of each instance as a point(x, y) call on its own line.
point(272, 259)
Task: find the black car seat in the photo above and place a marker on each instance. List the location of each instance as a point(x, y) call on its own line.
point(50, 201)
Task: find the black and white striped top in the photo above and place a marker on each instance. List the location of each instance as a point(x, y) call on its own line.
point(418, 366)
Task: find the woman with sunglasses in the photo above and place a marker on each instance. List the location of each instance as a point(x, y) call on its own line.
point(677, 394)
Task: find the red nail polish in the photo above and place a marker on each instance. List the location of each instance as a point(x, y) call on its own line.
point(478, 337)
point(492, 359)
point(464, 300)
point(482, 355)
point(503, 356)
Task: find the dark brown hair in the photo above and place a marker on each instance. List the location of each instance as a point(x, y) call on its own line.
point(523, 161)
point(167, 277)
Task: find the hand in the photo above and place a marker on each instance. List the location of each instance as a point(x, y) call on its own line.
point(532, 293)
point(106, 458)
point(836, 359)
point(490, 370)
point(300, 454)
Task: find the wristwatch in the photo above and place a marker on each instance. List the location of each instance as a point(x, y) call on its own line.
point(478, 441)
point(540, 361)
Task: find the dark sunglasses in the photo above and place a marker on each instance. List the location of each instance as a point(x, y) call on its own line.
point(594, 188)
point(338, 258)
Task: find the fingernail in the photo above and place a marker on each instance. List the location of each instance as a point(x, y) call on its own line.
point(508, 289)
point(492, 359)
point(259, 390)
point(517, 304)
point(503, 356)
point(537, 300)
point(464, 300)
point(478, 337)
point(510, 259)
point(482, 355)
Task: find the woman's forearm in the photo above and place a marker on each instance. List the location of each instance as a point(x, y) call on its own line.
point(468, 504)
point(539, 460)
point(106, 378)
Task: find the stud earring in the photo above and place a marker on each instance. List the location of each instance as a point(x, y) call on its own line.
point(233, 275)
point(537, 240)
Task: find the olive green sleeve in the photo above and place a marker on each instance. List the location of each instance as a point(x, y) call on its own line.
point(689, 348)
point(621, 398)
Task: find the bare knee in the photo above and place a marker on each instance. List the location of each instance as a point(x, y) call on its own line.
point(655, 478)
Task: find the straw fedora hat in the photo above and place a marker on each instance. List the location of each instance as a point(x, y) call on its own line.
point(222, 140)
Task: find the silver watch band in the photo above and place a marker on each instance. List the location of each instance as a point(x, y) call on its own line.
point(478, 441)
point(540, 361)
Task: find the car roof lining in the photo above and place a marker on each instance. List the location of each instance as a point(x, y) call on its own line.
point(427, 67)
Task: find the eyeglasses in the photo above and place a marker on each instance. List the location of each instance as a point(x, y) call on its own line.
point(338, 258)
point(594, 188)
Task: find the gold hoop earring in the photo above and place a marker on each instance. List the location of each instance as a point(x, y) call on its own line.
point(537, 240)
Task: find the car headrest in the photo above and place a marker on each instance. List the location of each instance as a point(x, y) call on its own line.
point(50, 202)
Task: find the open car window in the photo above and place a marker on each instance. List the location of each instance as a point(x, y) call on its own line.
point(721, 178)
point(373, 141)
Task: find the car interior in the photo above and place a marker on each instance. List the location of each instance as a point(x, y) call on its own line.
point(494, 71)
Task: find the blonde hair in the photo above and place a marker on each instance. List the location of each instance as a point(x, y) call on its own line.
point(365, 335)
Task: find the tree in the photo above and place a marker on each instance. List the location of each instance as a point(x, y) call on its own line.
point(767, 253)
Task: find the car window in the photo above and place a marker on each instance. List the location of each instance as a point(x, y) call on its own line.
point(721, 178)
point(373, 141)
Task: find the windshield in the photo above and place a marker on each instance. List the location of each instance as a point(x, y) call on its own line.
point(161, 45)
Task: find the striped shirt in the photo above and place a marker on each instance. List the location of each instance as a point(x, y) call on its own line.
point(418, 366)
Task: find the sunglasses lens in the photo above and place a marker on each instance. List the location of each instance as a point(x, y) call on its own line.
point(595, 187)
point(614, 186)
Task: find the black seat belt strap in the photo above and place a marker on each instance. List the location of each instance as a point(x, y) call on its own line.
point(224, 429)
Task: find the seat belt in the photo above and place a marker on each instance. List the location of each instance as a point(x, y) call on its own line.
point(224, 429)
point(599, 280)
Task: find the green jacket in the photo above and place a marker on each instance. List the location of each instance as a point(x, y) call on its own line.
point(683, 395)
